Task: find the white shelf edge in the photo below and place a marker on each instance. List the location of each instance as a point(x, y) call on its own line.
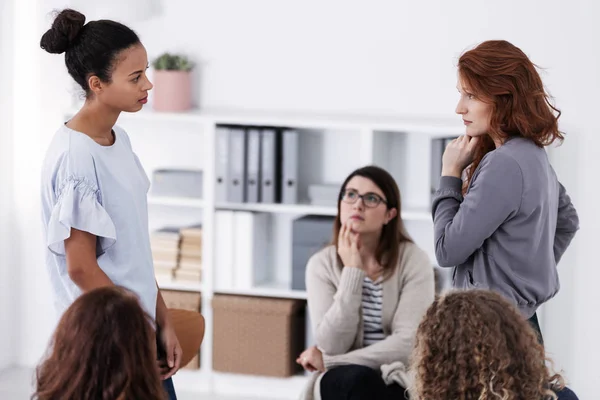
point(422, 124)
point(265, 291)
point(190, 380)
point(408, 214)
point(233, 384)
point(172, 284)
point(176, 201)
point(263, 387)
point(278, 208)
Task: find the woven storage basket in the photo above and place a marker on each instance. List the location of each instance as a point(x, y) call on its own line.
point(257, 336)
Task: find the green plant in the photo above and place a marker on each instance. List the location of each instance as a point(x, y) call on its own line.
point(172, 62)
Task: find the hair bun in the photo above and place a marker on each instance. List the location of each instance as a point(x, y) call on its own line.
point(64, 31)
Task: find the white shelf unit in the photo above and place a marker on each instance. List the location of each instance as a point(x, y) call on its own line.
point(330, 148)
point(175, 201)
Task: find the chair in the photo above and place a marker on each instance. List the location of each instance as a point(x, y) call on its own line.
point(189, 328)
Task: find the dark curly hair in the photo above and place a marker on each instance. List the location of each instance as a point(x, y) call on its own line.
point(500, 74)
point(90, 49)
point(104, 348)
point(474, 345)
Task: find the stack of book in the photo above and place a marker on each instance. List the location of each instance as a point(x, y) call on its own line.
point(165, 251)
point(190, 254)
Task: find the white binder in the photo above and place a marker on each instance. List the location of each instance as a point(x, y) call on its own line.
point(224, 246)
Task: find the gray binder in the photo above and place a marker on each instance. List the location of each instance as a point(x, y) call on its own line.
point(289, 170)
point(252, 165)
point(269, 166)
point(222, 163)
point(237, 165)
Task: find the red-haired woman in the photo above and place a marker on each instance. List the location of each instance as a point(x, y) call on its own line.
point(507, 225)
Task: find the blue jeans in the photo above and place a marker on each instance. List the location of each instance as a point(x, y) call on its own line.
point(167, 383)
point(533, 321)
point(567, 394)
point(169, 388)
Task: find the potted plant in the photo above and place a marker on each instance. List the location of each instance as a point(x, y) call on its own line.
point(172, 82)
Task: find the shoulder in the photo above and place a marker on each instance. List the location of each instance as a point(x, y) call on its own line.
point(122, 135)
point(413, 260)
point(514, 153)
point(501, 167)
point(322, 262)
point(502, 157)
point(69, 154)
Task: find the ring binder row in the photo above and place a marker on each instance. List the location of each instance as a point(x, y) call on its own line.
point(256, 165)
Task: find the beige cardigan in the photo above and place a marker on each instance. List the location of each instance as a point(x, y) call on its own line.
point(335, 308)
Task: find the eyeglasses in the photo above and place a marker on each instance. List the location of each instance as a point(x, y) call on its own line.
point(370, 200)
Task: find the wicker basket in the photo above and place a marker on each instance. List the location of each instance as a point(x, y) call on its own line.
point(258, 336)
point(185, 301)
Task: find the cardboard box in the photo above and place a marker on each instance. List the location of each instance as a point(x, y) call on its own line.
point(258, 336)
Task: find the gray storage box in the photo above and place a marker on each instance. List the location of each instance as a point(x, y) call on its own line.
point(309, 235)
point(177, 183)
point(324, 194)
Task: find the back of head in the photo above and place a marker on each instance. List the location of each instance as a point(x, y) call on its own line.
point(103, 348)
point(90, 49)
point(475, 345)
point(500, 74)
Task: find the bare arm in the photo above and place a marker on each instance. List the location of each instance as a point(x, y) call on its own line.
point(82, 266)
point(162, 316)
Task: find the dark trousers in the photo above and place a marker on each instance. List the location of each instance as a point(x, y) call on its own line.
point(533, 321)
point(356, 382)
point(167, 383)
point(566, 394)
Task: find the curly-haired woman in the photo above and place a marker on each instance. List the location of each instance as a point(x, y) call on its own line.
point(472, 345)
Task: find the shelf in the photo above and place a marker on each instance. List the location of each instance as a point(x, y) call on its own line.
point(172, 284)
point(430, 125)
point(244, 386)
point(267, 290)
point(176, 201)
point(260, 387)
point(401, 123)
point(306, 209)
point(192, 381)
point(279, 208)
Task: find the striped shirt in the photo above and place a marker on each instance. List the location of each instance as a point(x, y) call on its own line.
point(372, 296)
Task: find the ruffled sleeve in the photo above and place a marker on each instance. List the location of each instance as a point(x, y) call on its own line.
point(78, 207)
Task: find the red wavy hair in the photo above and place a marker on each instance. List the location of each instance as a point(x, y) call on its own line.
point(500, 74)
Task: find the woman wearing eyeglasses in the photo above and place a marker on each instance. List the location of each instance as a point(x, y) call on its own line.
point(367, 293)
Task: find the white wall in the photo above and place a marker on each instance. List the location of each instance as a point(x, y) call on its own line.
point(37, 103)
point(7, 267)
point(380, 57)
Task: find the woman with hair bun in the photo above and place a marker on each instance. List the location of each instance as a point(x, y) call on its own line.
point(93, 188)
